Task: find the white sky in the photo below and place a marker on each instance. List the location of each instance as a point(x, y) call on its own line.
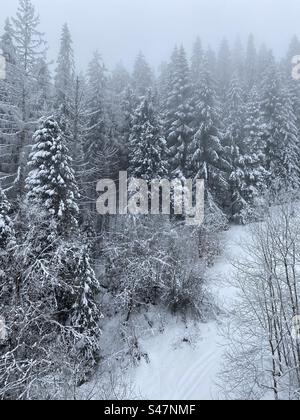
point(120, 28)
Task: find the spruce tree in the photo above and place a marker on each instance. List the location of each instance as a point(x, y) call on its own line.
point(99, 149)
point(238, 187)
point(224, 69)
point(196, 64)
point(147, 147)
point(142, 77)
point(208, 160)
point(282, 144)
point(51, 182)
point(164, 85)
point(254, 149)
point(65, 81)
point(96, 137)
point(179, 114)
point(85, 315)
point(78, 124)
point(7, 43)
point(265, 59)
point(211, 59)
point(238, 60)
point(117, 83)
point(53, 250)
point(251, 65)
point(292, 84)
point(248, 176)
point(234, 124)
point(42, 88)
point(120, 79)
point(234, 113)
point(129, 102)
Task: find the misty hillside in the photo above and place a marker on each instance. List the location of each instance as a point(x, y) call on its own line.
point(107, 294)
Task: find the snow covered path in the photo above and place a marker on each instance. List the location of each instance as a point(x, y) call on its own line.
point(182, 371)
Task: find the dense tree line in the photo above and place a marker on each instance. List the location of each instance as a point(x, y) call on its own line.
point(230, 118)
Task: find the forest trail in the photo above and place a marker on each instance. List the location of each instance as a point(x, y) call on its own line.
point(189, 371)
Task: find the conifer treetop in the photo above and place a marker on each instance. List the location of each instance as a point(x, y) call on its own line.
point(51, 182)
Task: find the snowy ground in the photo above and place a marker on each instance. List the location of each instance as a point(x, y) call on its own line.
point(185, 362)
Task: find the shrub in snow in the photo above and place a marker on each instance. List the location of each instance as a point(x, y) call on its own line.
point(182, 287)
point(151, 261)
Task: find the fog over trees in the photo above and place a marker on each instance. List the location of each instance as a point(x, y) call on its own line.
point(81, 292)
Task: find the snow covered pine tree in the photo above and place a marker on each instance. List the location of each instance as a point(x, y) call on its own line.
point(147, 146)
point(52, 192)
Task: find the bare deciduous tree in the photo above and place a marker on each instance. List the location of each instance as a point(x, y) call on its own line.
point(264, 357)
